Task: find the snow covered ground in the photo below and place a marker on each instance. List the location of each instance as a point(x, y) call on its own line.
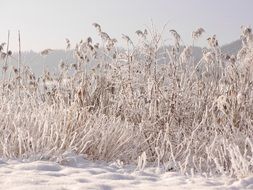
point(80, 174)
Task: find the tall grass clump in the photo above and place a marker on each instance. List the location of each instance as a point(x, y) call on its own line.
point(145, 99)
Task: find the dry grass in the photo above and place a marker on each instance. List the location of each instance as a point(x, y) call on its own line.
point(148, 100)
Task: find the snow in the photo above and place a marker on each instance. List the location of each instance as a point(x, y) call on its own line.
point(80, 174)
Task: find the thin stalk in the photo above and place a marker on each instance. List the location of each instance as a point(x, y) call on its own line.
point(6, 60)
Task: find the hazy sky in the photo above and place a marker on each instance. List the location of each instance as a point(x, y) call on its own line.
point(46, 23)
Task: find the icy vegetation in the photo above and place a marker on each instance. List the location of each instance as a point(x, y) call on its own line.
point(145, 104)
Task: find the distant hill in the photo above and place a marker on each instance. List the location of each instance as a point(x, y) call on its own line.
point(51, 61)
point(36, 62)
point(232, 48)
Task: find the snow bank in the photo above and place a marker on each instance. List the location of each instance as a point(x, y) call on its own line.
point(80, 174)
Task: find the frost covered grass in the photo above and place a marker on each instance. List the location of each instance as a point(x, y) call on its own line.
point(144, 104)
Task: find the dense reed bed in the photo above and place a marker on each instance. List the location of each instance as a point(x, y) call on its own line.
point(146, 103)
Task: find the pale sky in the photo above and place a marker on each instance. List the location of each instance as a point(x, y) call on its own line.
point(46, 23)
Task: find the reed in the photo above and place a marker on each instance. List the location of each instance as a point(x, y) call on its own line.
point(149, 104)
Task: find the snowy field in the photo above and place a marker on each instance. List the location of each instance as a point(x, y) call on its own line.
point(148, 105)
point(77, 173)
point(152, 96)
